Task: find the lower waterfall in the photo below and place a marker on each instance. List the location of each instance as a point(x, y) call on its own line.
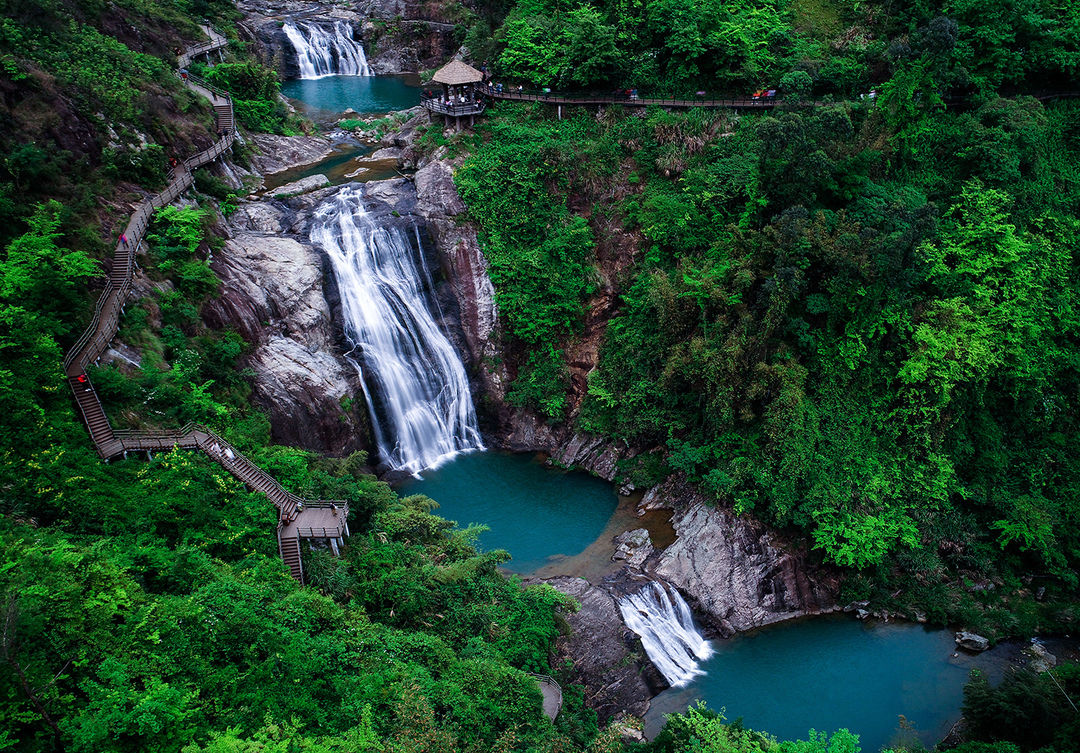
point(322, 52)
point(421, 407)
point(662, 620)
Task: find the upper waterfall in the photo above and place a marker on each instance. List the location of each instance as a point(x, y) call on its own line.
point(662, 620)
point(421, 408)
point(322, 52)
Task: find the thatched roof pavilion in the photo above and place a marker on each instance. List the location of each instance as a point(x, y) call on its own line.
point(462, 92)
point(457, 73)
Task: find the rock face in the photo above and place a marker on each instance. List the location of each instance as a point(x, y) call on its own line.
point(738, 573)
point(397, 36)
point(606, 656)
point(272, 294)
point(465, 267)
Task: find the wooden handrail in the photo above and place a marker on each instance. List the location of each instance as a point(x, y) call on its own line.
point(106, 319)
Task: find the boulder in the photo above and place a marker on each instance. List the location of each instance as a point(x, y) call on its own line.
point(972, 641)
point(1039, 659)
point(304, 185)
point(279, 153)
point(633, 547)
point(739, 574)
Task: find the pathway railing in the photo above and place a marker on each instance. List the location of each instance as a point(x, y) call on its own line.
point(106, 319)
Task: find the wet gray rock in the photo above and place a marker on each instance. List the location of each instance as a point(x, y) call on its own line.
point(633, 547)
point(386, 153)
point(1039, 659)
point(304, 185)
point(279, 153)
point(606, 656)
point(739, 574)
point(972, 641)
point(272, 294)
point(126, 358)
point(260, 216)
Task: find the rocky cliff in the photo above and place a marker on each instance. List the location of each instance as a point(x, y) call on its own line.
point(604, 655)
point(398, 37)
point(738, 573)
point(274, 294)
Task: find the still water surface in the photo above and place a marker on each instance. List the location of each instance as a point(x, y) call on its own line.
point(829, 673)
point(539, 514)
point(822, 673)
point(332, 95)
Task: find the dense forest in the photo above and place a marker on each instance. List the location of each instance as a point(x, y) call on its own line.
point(852, 317)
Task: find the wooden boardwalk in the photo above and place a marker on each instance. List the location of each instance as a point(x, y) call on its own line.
point(562, 98)
point(295, 515)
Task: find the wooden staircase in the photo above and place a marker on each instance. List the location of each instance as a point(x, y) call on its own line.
point(95, 339)
point(289, 549)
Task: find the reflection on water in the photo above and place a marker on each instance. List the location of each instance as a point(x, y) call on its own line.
point(349, 161)
point(332, 95)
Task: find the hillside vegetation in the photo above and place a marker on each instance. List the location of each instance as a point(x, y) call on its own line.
point(856, 318)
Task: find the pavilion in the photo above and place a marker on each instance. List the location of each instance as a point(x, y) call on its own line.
point(462, 93)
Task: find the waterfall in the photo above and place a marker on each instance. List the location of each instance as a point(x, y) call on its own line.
point(663, 621)
point(417, 391)
point(321, 52)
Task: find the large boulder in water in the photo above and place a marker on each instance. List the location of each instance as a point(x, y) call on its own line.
point(972, 641)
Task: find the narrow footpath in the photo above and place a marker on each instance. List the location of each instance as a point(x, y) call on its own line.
point(297, 517)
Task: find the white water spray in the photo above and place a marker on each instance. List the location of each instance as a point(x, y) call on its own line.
point(326, 52)
point(416, 387)
point(662, 620)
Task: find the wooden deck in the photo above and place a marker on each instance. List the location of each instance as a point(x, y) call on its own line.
point(563, 98)
point(294, 513)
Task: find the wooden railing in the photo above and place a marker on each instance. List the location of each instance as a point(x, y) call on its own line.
point(106, 319)
point(437, 104)
point(320, 533)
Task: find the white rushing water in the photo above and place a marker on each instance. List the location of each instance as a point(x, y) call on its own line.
point(662, 620)
point(421, 408)
point(324, 52)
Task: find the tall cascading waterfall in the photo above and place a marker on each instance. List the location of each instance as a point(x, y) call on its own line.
point(415, 384)
point(322, 52)
point(662, 620)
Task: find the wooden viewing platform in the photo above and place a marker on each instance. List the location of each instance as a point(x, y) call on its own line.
point(552, 693)
point(297, 517)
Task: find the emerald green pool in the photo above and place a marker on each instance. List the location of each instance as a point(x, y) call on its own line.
point(889, 683)
point(538, 514)
point(332, 95)
point(836, 672)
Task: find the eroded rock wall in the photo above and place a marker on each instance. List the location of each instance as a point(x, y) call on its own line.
point(604, 655)
point(737, 572)
point(272, 293)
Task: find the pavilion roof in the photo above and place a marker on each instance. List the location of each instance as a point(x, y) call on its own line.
point(456, 73)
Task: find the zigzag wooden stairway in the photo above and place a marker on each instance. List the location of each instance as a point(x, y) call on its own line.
point(297, 518)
